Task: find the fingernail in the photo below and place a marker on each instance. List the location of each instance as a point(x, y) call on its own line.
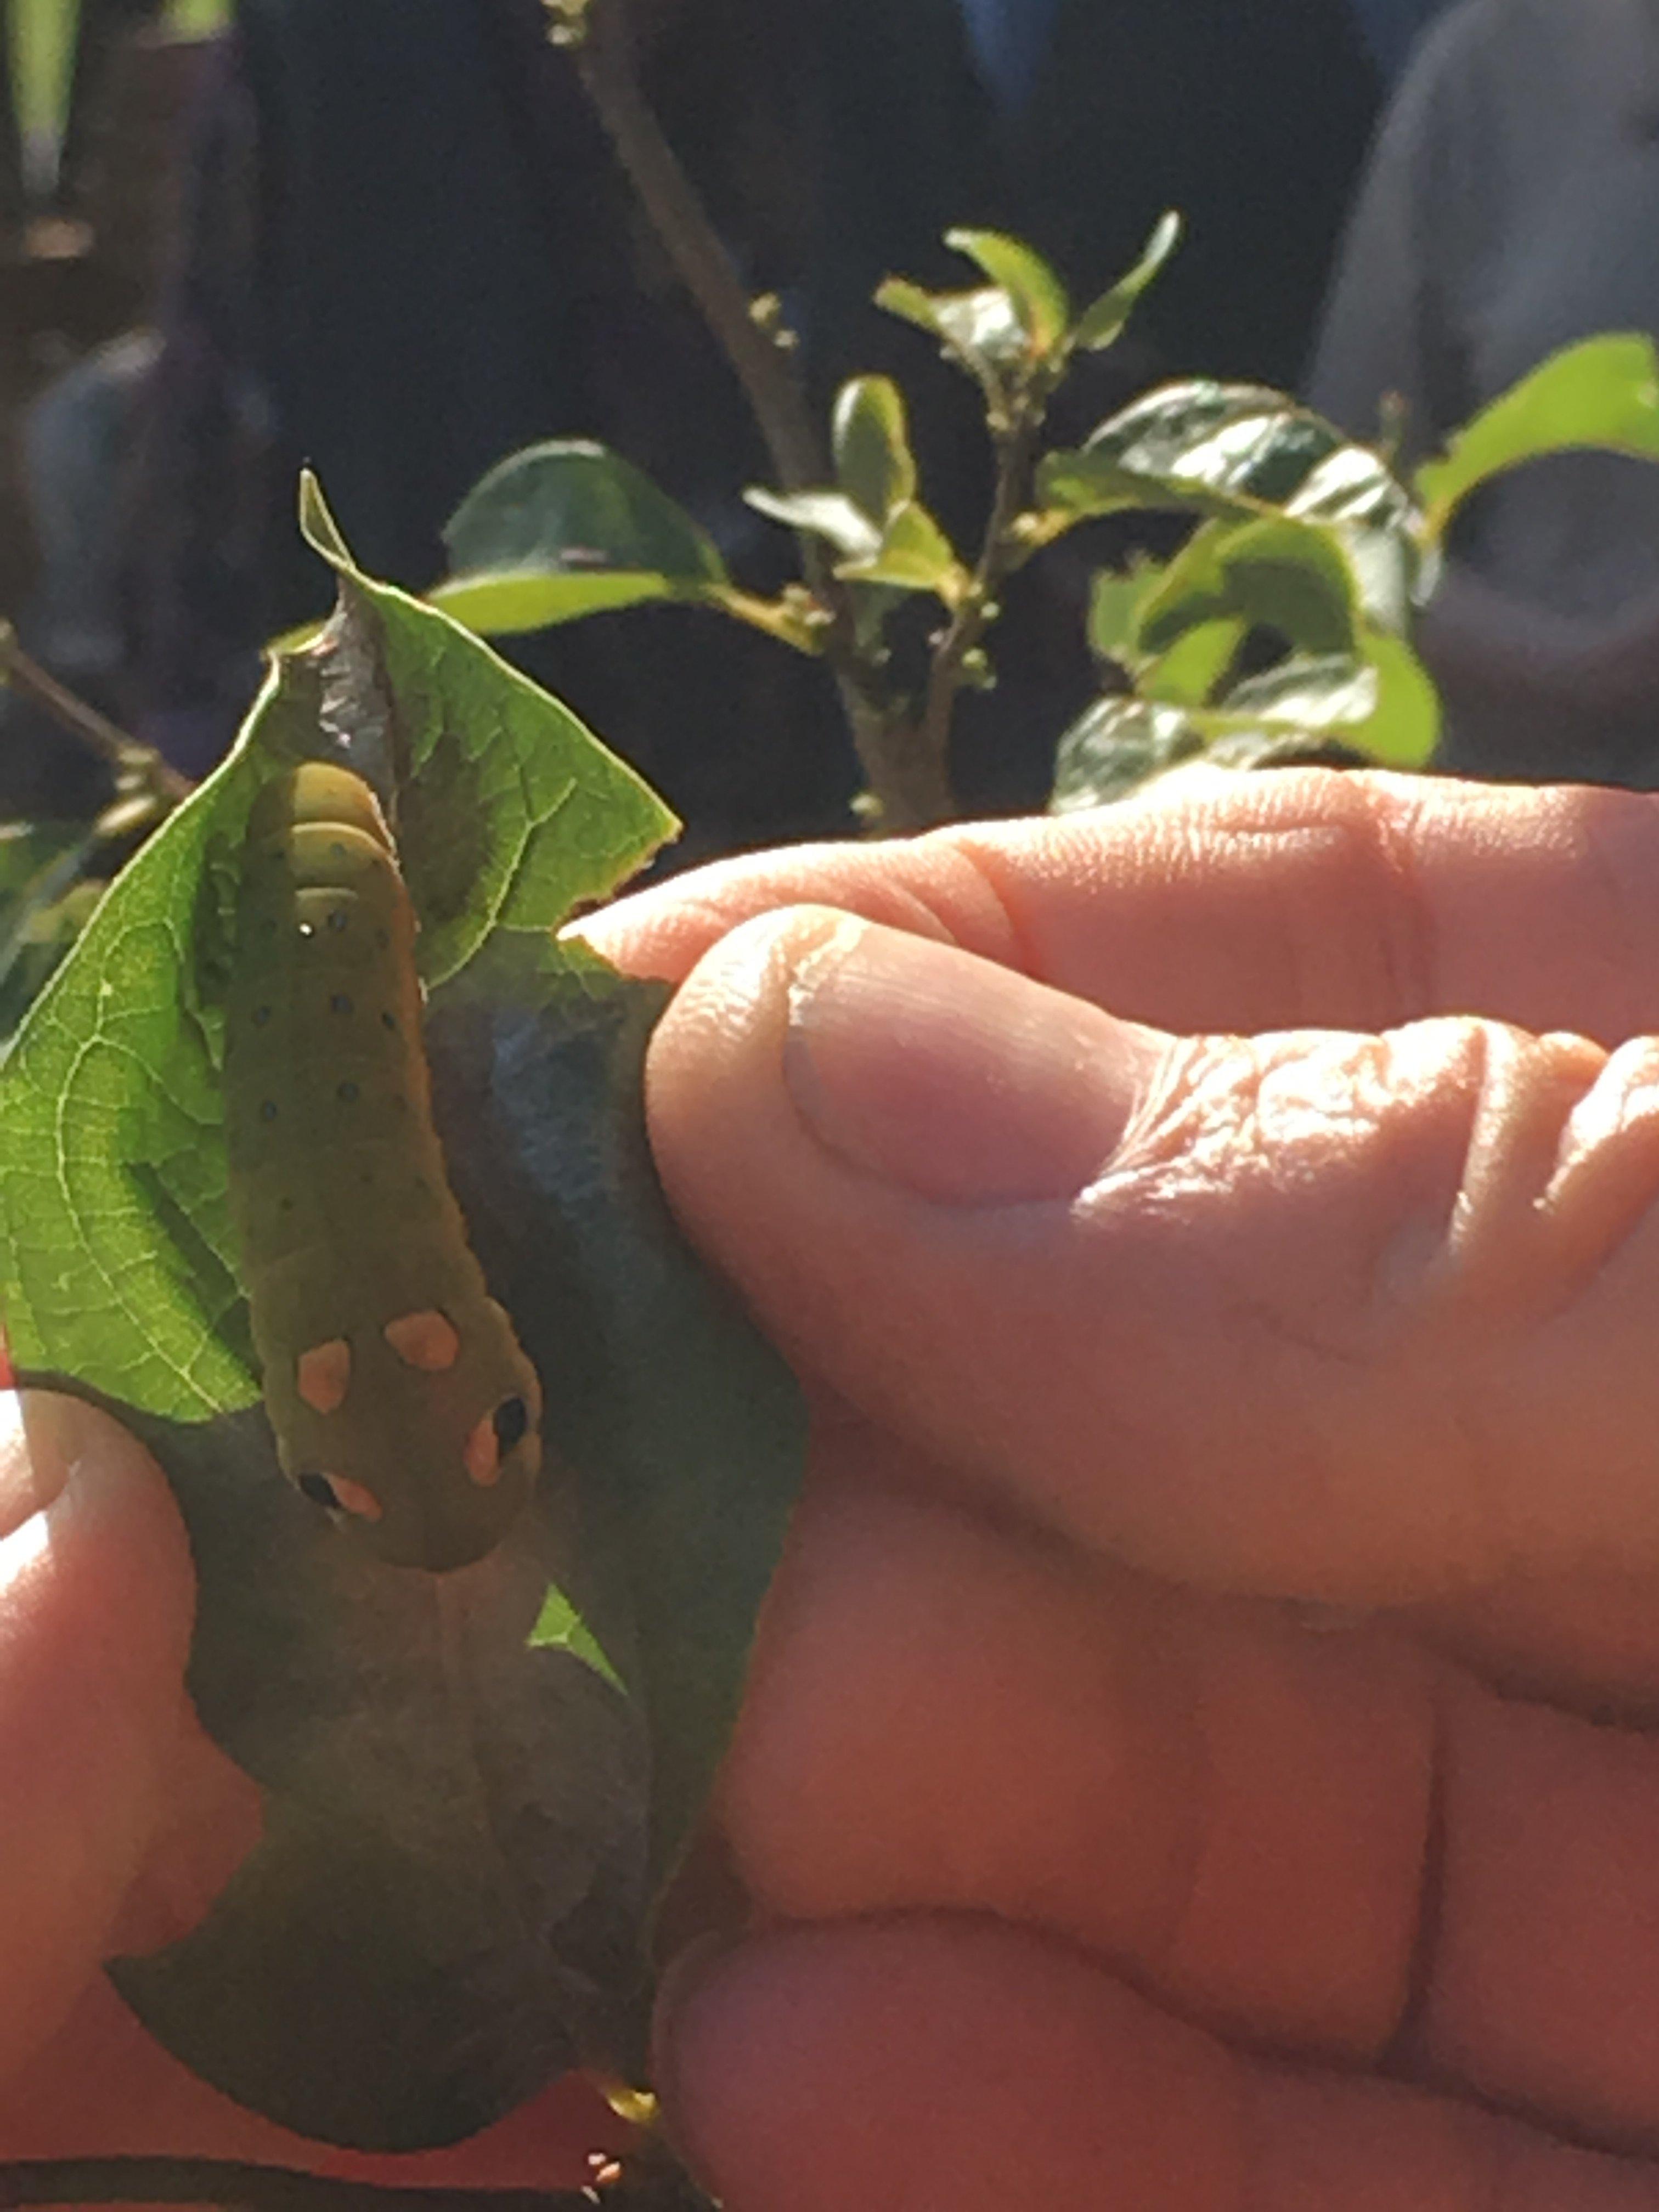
point(952, 1078)
point(41, 1437)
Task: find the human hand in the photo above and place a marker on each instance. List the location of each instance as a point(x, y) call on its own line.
point(1093, 1873)
point(1099, 1863)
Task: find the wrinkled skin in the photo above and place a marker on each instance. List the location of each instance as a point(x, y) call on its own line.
point(1198, 1753)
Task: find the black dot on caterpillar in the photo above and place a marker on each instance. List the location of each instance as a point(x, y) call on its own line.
point(400, 1399)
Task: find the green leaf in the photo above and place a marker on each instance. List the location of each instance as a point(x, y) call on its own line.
point(1038, 297)
point(510, 813)
point(913, 555)
point(509, 602)
point(1291, 577)
point(1116, 600)
point(981, 331)
point(1311, 693)
point(561, 530)
point(1377, 700)
point(874, 465)
point(1353, 493)
point(115, 1249)
point(1101, 324)
point(560, 1627)
point(828, 515)
point(1603, 393)
point(1231, 449)
point(1116, 747)
point(463, 1825)
point(1187, 673)
point(1404, 728)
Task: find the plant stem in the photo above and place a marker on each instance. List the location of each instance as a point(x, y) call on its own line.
point(999, 555)
point(907, 792)
point(604, 49)
point(138, 768)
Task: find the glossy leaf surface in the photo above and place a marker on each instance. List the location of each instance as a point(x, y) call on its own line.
point(567, 529)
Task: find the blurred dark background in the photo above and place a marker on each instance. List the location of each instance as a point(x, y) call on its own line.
point(385, 236)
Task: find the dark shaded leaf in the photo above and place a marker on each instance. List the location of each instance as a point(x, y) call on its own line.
point(564, 529)
point(1116, 599)
point(460, 1804)
point(44, 907)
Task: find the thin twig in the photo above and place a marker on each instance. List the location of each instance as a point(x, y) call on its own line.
point(136, 764)
point(599, 36)
point(602, 41)
point(999, 555)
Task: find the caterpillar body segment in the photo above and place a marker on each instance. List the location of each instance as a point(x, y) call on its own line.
point(400, 1399)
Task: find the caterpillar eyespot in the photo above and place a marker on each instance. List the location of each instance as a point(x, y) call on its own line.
point(400, 1399)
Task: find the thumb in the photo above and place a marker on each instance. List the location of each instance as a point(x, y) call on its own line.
point(1361, 1318)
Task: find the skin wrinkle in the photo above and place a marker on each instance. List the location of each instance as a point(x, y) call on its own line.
point(1431, 1888)
point(1374, 849)
point(987, 871)
point(1588, 1203)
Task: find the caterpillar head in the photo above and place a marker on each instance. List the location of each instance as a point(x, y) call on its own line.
point(420, 1439)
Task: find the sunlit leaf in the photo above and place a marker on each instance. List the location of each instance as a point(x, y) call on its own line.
point(1101, 324)
point(832, 515)
point(1116, 746)
point(1038, 296)
point(1601, 394)
point(1280, 575)
point(913, 555)
point(874, 465)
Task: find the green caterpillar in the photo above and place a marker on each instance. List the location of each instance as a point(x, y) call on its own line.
point(401, 1400)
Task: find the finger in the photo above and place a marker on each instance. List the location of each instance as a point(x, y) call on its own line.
point(1363, 1319)
point(941, 1713)
point(96, 1595)
point(1326, 1842)
point(122, 1822)
point(932, 2063)
point(1256, 903)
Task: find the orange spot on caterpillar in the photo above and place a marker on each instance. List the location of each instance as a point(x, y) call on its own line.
point(426, 1339)
point(483, 1456)
point(322, 1375)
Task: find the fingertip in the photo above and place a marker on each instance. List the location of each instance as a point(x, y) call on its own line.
point(96, 1602)
point(933, 2061)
